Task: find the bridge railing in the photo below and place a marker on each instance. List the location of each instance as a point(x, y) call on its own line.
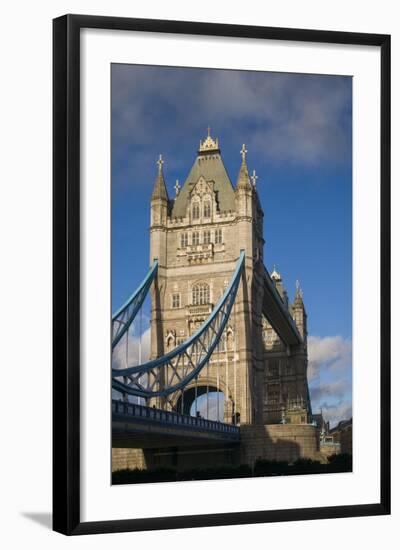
point(141, 412)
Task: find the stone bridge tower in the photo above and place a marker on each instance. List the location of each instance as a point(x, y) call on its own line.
point(197, 237)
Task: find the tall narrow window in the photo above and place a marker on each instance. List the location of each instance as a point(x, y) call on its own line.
point(196, 211)
point(176, 300)
point(218, 236)
point(207, 209)
point(201, 294)
point(207, 237)
point(229, 340)
point(184, 240)
point(221, 346)
point(196, 238)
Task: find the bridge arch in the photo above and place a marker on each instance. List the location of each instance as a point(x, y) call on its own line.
point(182, 402)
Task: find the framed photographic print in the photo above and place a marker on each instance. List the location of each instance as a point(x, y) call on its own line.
point(221, 274)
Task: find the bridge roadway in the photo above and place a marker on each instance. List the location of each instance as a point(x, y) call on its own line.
point(138, 426)
point(278, 315)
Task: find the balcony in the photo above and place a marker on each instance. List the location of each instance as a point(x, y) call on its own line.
point(199, 310)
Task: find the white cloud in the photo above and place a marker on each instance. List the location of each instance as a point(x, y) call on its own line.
point(331, 352)
point(329, 375)
point(337, 390)
point(290, 118)
point(334, 413)
point(128, 356)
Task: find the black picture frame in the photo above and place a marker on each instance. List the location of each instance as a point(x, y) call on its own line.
point(66, 273)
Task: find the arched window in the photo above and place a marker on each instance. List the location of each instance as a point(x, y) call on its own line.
point(207, 209)
point(218, 236)
point(196, 211)
point(201, 294)
point(170, 343)
point(207, 237)
point(196, 238)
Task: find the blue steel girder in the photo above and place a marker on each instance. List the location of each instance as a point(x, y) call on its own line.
point(125, 315)
point(173, 371)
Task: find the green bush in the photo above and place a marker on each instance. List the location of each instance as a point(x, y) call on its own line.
point(270, 467)
point(219, 472)
point(143, 476)
point(168, 474)
point(336, 463)
point(307, 466)
point(340, 463)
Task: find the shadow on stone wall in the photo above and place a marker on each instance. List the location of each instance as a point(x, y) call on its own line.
point(272, 442)
point(278, 442)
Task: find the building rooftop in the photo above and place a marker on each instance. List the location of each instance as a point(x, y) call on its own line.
point(208, 164)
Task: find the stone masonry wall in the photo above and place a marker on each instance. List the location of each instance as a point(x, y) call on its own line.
point(268, 442)
point(278, 442)
point(124, 459)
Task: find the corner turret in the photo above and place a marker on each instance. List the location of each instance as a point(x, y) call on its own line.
point(299, 312)
point(244, 208)
point(243, 181)
point(276, 277)
point(160, 189)
point(159, 215)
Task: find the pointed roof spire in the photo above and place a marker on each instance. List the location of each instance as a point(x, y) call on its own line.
point(159, 189)
point(298, 299)
point(209, 165)
point(243, 181)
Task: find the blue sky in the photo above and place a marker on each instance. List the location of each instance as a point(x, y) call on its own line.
point(298, 133)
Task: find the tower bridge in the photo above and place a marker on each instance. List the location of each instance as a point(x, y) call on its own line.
point(219, 323)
